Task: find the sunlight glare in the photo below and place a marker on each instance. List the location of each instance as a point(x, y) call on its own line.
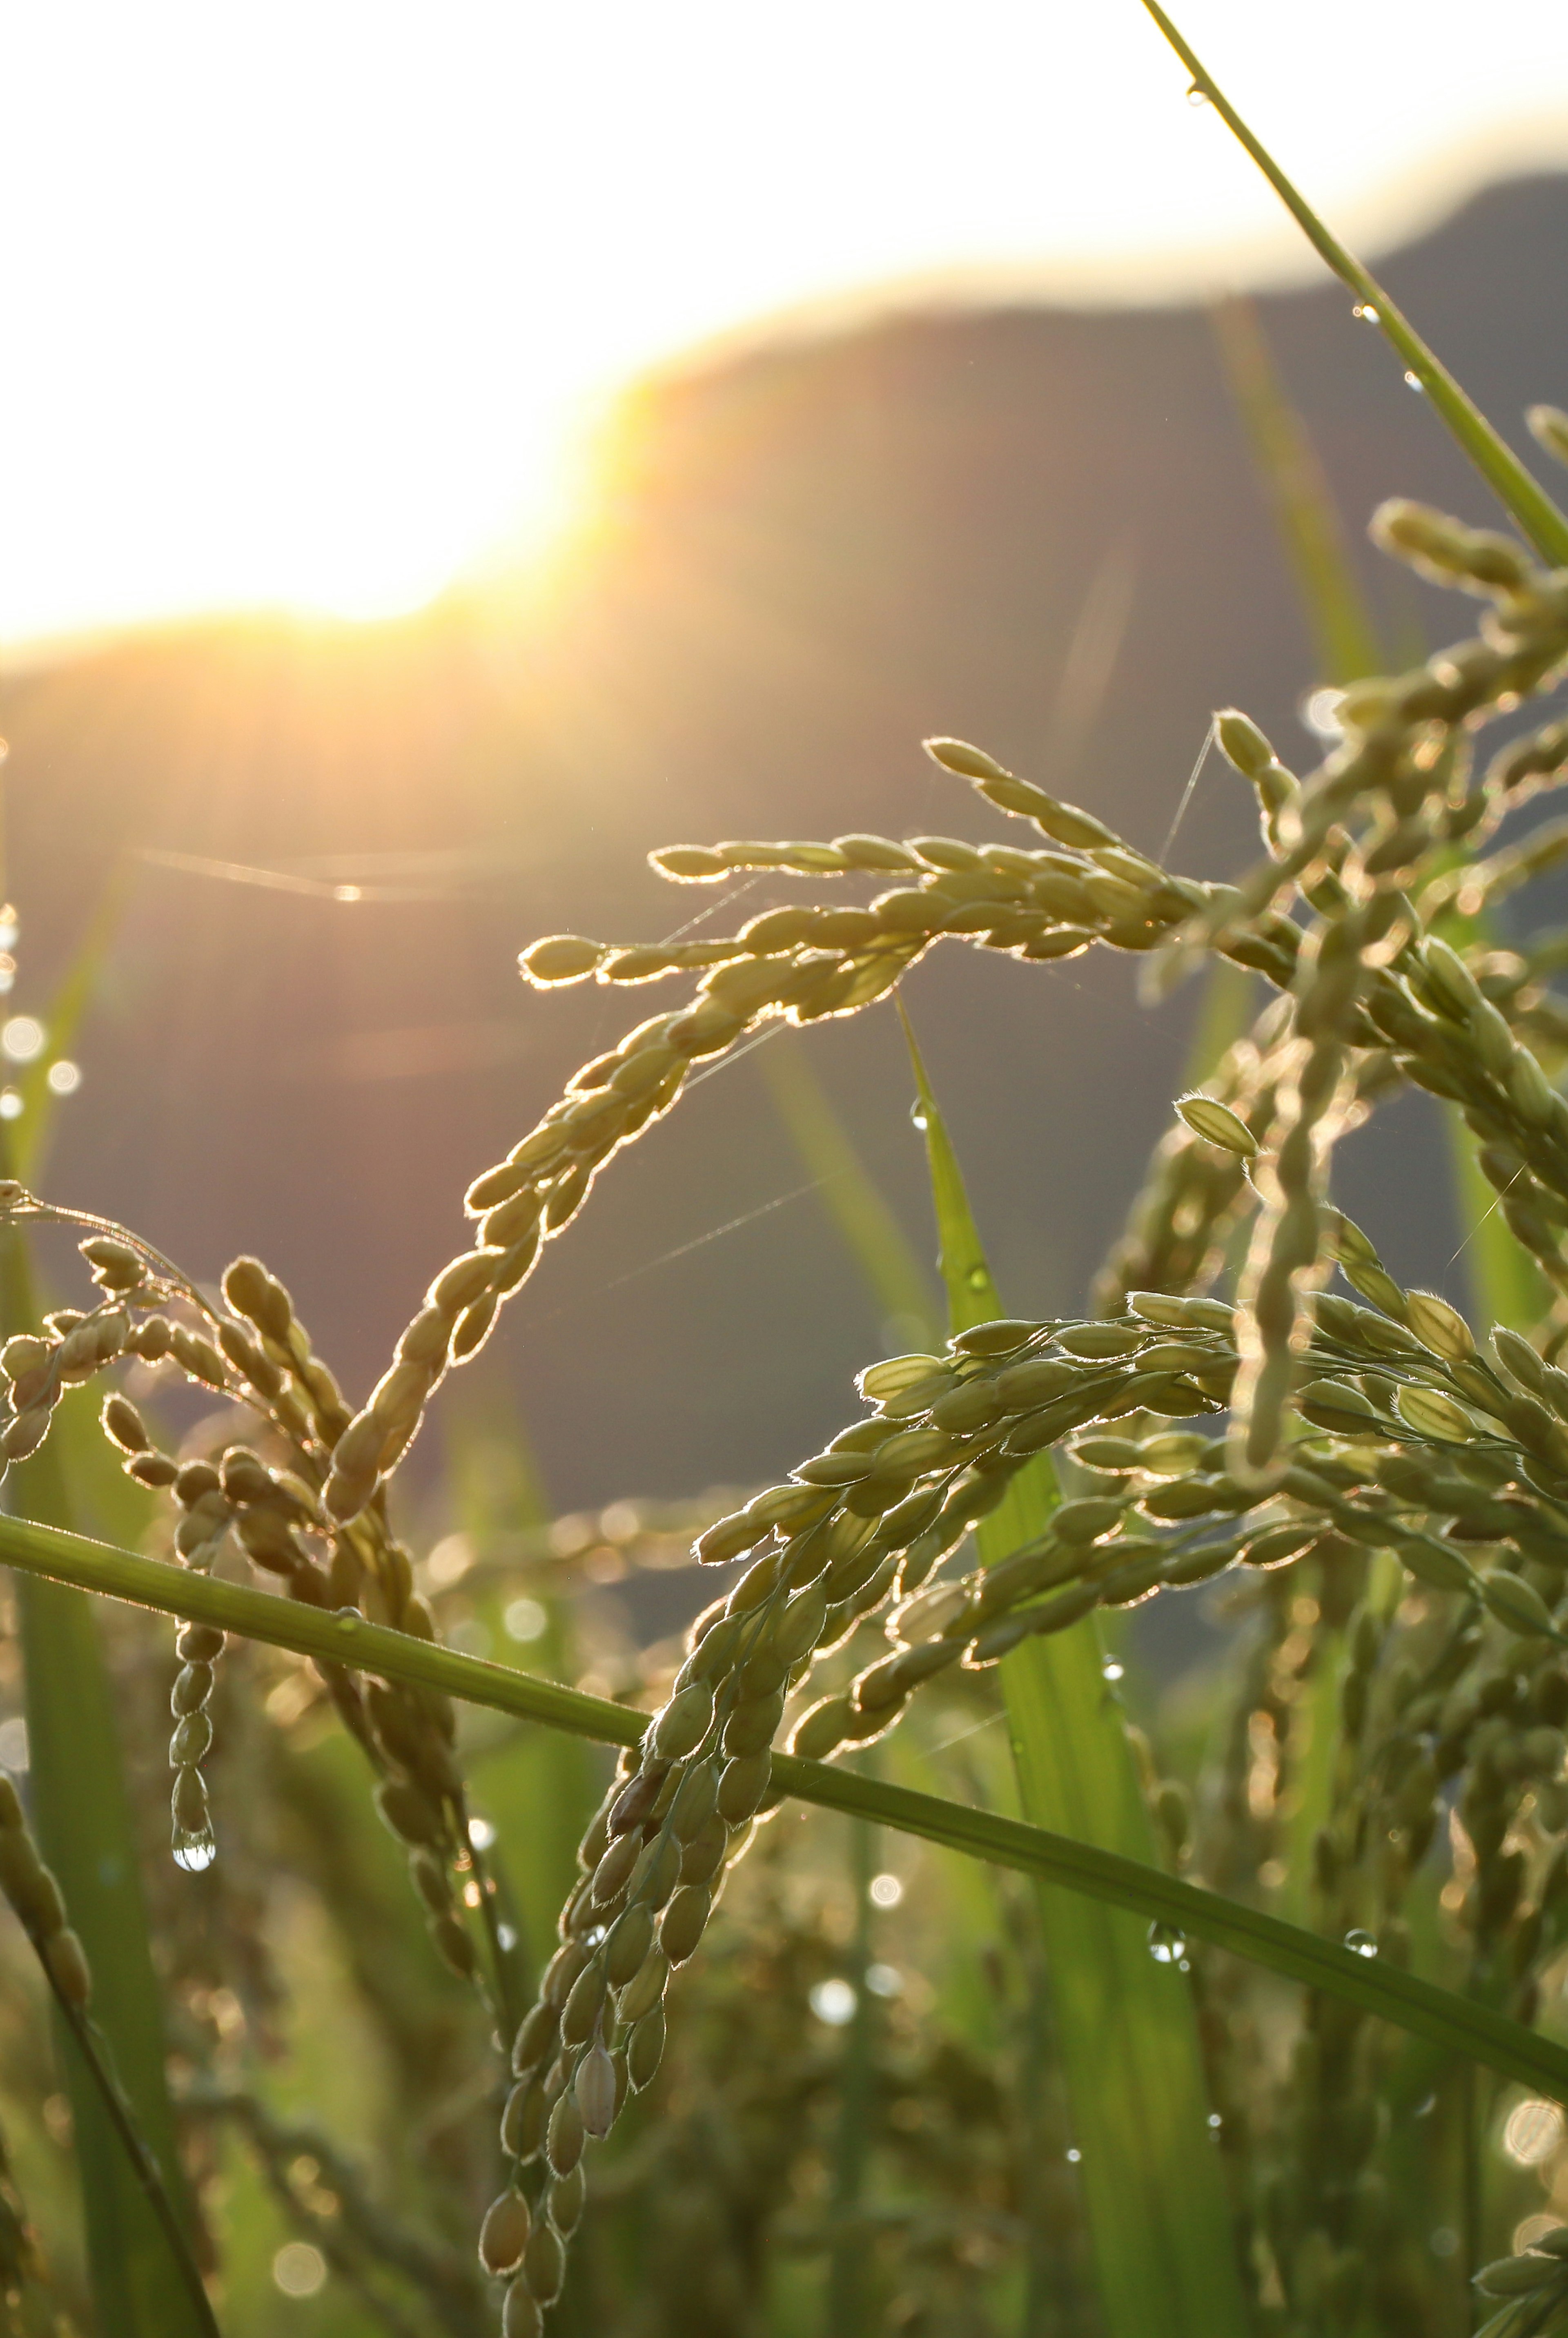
point(318, 306)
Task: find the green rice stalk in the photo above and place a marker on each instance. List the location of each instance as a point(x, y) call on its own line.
point(1530, 504)
point(1456, 2023)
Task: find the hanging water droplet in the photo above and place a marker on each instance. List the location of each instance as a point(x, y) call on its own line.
point(1196, 97)
point(1414, 381)
point(1361, 1944)
point(1167, 1945)
point(1110, 1670)
point(194, 1848)
point(1366, 312)
point(918, 1115)
point(1075, 2155)
point(977, 1278)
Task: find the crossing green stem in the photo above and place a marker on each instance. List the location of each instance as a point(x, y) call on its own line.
point(1454, 2022)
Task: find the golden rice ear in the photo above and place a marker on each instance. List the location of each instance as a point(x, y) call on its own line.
point(1218, 1124)
point(1549, 428)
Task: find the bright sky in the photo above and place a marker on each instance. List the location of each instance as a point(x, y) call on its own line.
point(303, 302)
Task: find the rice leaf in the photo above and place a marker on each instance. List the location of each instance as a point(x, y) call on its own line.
point(1159, 2225)
point(1541, 519)
point(30, 1132)
point(80, 1810)
point(1460, 2025)
point(894, 1274)
point(1343, 633)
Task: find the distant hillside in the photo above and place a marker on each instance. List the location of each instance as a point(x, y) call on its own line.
point(805, 559)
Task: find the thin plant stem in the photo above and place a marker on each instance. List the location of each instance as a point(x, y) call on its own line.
point(148, 2174)
point(1459, 2024)
point(1531, 505)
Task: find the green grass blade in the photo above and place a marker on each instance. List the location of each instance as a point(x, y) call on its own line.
point(1343, 634)
point(899, 1282)
point(1541, 519)
point(63, 1019)
point(847, 2291)
point(1160, 2226)
point(81, 1809)
point(1458, 2024)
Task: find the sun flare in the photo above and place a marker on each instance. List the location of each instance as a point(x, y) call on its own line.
point(312, 306)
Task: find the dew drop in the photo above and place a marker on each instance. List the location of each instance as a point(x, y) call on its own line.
point(1166, 1944)
point(1414, 381)
point(1366, 312)
point(1361, 1944)
point(194, 1850)
point(1110, 1670)
point(917, 1114)
point(1075, 2155)
point(1196, 97)
point(977, 1278)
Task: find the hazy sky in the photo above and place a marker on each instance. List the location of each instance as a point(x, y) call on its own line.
point(302, 300)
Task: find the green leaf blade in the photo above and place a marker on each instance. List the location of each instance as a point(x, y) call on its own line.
point(1522, 496)
point(81, 1810)
point(1160, 2231)
point(893, 1272)
point(1344, 635)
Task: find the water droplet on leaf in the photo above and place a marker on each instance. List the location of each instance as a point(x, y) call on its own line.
point(1167, 1946)
point(917, 1114)
point(1110, 1670)
point(1414, 381)
point(977, 1278)
point(1366, 312)
point(1361, 1944)
point(194, 1851)
point(1196, 97)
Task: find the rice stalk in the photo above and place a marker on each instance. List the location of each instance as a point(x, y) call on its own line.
point(1459, 2024)
point(1521, 496)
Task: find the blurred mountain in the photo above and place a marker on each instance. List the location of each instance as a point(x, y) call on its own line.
point(1038, 529)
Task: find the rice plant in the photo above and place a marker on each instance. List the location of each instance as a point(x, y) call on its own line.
point(1207, 2020)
